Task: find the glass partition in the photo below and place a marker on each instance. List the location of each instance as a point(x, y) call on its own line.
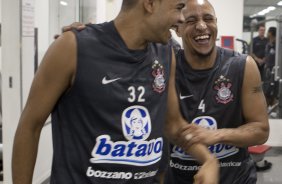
point(88, 11)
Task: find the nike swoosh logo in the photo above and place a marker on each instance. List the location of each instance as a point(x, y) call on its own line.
point(106, 81)
point(183, 97)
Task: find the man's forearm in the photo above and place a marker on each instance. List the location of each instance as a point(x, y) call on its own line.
point(24, 156)
point(201, 153)
point(209, 171)
point(246, 135)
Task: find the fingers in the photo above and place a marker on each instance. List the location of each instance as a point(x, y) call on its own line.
point(188, 137)
point(76, 25)
point(189, 128)
point(198, 179)
point(81, 27)
point(189, 134)
point(66, 28)
point(56, 36)
point(184, 136)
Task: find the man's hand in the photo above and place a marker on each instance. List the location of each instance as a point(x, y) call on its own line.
point(260, 61)
point(208, 173)
point(191, 134)
point(76, 25)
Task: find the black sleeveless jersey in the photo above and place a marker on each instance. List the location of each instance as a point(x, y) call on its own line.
point(108, 127)
point(212, 99)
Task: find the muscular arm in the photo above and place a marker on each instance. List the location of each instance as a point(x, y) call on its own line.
point(209, 172)
point(52, 79)
point(175, 122)
point(256, 129)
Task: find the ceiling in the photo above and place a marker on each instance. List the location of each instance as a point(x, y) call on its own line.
point(254, 6)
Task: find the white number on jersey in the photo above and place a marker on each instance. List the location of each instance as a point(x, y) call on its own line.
point(133, 96)
point(202, 106)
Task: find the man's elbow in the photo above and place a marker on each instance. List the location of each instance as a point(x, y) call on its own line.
point(264, 135)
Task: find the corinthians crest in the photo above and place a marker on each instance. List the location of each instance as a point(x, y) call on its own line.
point(224, 94)
point(158, 74)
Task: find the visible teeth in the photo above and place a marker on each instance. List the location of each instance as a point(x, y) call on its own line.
point(202, 37)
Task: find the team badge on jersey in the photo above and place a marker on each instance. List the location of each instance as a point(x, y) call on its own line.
point(136, 149)
point(158, 74)
point(219, 150)
point(224, 94)
point(136, 123)
point(206, 122)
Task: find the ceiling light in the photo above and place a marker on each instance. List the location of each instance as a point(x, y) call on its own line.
point(271, 8)
point(266, 10)
point(261, 13)
point(279, 3)
point(64, 3)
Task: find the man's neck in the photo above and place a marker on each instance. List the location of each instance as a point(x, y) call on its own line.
point(198, 62)
point(261, 37)
point(130, 31)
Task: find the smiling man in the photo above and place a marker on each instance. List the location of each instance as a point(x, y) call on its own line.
point(224, 101)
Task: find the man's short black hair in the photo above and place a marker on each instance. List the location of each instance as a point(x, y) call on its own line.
point(261, 25)
point(272, 30)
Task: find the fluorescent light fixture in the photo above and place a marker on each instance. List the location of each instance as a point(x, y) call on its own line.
point(64, 3)
point(271, 8)
point(261, 13)
point(264, 11)
point(279, 3)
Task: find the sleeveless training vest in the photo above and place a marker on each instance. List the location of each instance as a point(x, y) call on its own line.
point(212, 99)
point(108, 127)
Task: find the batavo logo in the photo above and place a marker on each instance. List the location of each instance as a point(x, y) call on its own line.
point(136, 126)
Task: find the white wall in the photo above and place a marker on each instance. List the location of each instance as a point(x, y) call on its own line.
point(113, 8)
point(230, 18)
point(41, 22)
point(247, 36)
point(11, 104)
point(18, 66)
point(107, 10)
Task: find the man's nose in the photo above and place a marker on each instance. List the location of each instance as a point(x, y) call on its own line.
point(201, 25)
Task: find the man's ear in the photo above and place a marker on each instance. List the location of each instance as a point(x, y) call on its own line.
point(150, 5)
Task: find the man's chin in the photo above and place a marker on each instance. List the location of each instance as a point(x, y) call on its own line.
point(205, 54)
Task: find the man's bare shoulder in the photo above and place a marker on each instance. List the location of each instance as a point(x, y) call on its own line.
point(66, 40)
